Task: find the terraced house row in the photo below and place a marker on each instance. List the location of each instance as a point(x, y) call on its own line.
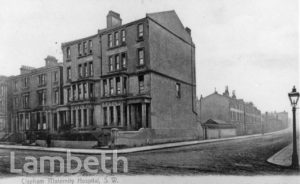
point(244, 117)
point(36, 94)
point(137, 77)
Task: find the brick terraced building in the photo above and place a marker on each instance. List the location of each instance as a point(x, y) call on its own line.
point(137, 77)
point(36, 94)
point(247, 118)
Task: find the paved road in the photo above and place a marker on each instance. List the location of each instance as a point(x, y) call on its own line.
point(242, 157)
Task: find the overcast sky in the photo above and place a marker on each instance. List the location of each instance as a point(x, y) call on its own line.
point(249, 45)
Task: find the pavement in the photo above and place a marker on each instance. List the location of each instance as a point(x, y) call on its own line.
point(283, 157)
point(129, 150)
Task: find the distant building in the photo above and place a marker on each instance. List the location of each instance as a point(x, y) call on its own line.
point(243, 115)
point(284, 117)
point(5, 105)
point(215, 129)
point(275, 121)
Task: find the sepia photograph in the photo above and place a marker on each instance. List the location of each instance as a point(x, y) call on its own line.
point(149, 91)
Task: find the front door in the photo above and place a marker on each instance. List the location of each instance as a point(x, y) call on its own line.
point(138, 116)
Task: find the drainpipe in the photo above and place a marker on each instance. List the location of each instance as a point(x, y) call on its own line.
point(192, 74)
point(245, 131)
point(101, 54)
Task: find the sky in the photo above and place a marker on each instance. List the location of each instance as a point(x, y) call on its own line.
point(249, 45)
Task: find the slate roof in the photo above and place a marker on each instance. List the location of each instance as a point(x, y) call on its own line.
point(217, 124)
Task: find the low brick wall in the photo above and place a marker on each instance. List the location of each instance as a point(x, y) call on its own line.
point(68, 144)
point(156, 136)
point(221, 133)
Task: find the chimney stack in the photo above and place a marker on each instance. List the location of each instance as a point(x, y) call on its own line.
point(50, 61)
point(113, 19)
point(26, 69)
point(233, 94)
point(226, 93)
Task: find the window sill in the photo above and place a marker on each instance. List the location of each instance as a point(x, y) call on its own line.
point(140, 39)
point(42, 85)
point(141, 66)
point(114, 95)
point(82, 100)
point(85, 77)
point(117, 71)
point(25, 88)
point(55, 83)
point(116, 46)
point(85, 55)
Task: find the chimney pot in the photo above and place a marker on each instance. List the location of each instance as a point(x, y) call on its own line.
point(188, 30)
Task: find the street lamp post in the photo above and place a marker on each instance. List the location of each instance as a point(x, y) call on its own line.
point(294, 97)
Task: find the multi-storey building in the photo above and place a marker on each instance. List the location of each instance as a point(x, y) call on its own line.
point(244, 115)
point(5, 104)
point(81, 69)
point(275, 121)
point(284, 117)
point(132, 76)
point(36, 93)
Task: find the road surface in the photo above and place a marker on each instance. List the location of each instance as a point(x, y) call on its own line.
point(234, 157)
